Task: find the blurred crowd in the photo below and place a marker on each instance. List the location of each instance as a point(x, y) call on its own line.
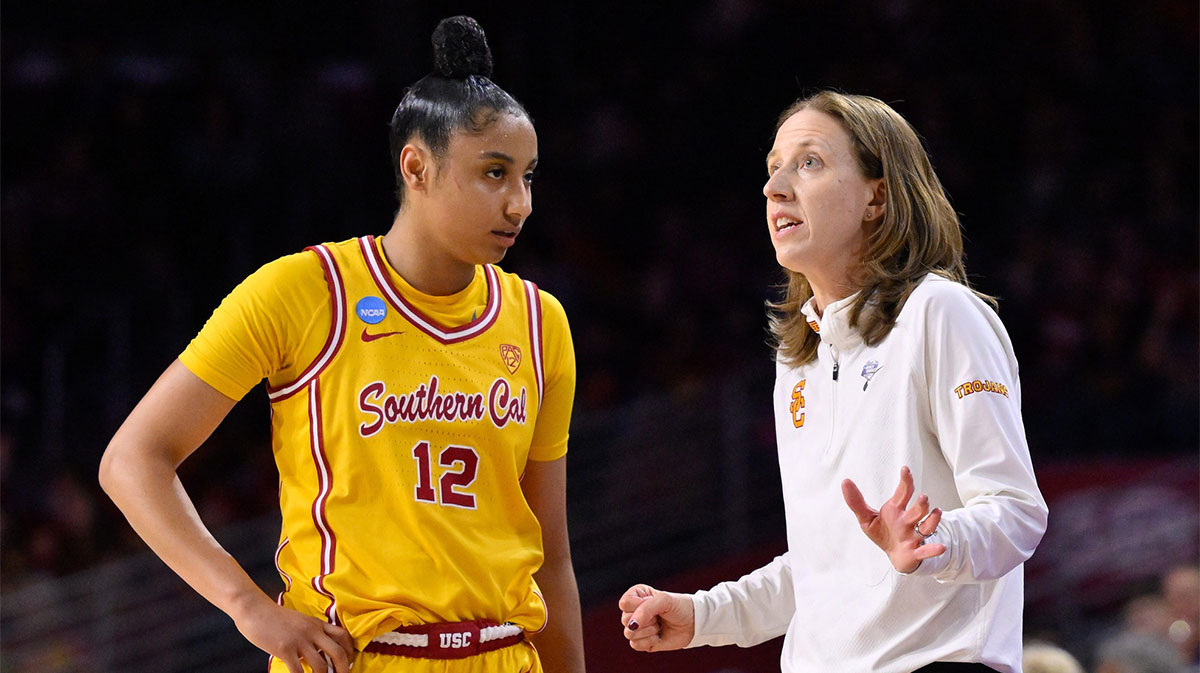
point(149, 166)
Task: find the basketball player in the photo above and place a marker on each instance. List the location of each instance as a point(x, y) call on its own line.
point(888, 364)
point(420, 400)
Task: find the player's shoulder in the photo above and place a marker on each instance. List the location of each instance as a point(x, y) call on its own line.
point(292, 282)
point(554, 316)
point(551, 306)
point(308, 265)
point(549, 303)
point(294, 267)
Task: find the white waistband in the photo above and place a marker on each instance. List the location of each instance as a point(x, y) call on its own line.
point(486, 634)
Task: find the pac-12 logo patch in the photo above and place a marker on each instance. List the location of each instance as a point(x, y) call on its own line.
point(511, 355)
point(371, 310)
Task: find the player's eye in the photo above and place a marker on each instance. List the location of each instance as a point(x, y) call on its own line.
point(811, 162)
point(529, 177)
point(496, 173)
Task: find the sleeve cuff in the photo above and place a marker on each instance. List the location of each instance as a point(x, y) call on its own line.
point(700, 616)
point(935, 565)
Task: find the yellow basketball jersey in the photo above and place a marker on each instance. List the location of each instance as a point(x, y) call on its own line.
point(400, 453)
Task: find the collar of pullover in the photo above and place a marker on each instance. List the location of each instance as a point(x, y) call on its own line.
point(834, 326)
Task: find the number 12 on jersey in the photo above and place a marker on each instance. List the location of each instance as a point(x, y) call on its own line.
point(467, 462)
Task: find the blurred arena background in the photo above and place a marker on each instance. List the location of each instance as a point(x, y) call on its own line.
point(154, 154)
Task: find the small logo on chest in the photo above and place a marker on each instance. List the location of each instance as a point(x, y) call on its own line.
point(371, 310)
point(367, 337)
point(869, 370)
point(511, 356)
point(797, 405)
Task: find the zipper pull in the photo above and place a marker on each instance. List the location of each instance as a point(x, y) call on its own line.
point(835, 370)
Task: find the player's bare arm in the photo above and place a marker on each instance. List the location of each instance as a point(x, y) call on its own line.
point(561, 643)
point(138, 471)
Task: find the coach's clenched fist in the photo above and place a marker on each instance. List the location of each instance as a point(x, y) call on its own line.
point(656, 621)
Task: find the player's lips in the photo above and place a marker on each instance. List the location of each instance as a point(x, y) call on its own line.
point(506, 236)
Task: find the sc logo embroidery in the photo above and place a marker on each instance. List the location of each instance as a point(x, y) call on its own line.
point(798, 404)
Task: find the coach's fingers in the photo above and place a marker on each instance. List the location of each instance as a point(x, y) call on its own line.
point(904, 490)
point(647, 613)
point(929, 551)
point(915, 514)
point(634, 597)
point(857, 504)
point(647, 630)
point(930, 525)
point(645, 644)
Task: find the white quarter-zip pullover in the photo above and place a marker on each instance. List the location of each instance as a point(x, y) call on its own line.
point(939, 394)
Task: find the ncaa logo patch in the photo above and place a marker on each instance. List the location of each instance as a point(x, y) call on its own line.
point(371, 310)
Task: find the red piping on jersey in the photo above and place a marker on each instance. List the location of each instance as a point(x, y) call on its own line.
point(337, 328)
point(446, 335)
point(547, 606)
point(535, 336)
point(287, 579)
point(325, 480)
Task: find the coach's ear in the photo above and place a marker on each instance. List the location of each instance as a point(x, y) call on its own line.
point(877, 200)
point(416, 162)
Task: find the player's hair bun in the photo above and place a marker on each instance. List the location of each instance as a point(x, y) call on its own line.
point(460, 49)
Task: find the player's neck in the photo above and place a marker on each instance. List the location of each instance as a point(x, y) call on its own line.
point(420, 263)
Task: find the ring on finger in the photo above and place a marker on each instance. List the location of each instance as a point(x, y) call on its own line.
point(926, 536)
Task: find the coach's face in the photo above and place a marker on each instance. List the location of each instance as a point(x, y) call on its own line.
point(819, 203)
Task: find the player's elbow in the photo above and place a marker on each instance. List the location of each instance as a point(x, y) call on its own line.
point(108, 471)
point(114, 470)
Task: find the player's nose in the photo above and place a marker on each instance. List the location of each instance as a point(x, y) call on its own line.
point(520, 205)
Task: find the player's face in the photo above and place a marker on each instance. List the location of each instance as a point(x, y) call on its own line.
point(482, 194)
point(817, 198)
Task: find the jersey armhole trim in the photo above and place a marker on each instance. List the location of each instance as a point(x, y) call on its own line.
point(535, 337)
point(337, 328)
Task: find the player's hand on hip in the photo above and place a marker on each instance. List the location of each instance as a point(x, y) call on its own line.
point(657, 621)
point(898, 529)
point(290, 637)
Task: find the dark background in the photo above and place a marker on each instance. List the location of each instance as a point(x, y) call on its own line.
point(152, 157)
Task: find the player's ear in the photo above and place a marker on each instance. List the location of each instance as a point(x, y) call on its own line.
point(416, 162)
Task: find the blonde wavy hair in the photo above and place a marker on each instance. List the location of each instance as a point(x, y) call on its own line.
point(918, 234)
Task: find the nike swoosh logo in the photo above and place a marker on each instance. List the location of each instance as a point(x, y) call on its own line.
point(368, 337)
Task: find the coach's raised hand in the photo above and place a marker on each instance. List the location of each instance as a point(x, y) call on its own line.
point(898, 529)
point(657, 621)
